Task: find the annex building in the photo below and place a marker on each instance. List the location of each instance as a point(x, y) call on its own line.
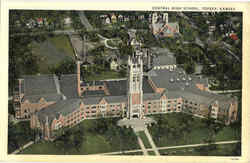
point(52, 102)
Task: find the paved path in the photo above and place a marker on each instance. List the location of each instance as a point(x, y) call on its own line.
point(106, 42)
point(23, 147)
point(168, 147)
point(145, 152)
point(151, 142)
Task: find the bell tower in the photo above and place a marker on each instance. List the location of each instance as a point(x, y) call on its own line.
point(135, 81)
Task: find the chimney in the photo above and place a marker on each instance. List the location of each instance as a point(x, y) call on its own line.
point(78, 78)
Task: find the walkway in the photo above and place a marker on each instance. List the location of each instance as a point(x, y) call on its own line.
point(145, 152)
point(23, 147)
point(151, 142)
point(105, 40)
point(140, 125)
point(171, 147)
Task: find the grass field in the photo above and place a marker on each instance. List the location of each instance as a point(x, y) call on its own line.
point(62, 43)
point(20, 133)
point(151, 153)
point(221, 150)
point(94, 143)
point(198, 132)
point(52, 51)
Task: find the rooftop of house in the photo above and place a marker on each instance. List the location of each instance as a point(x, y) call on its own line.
point(166, 29)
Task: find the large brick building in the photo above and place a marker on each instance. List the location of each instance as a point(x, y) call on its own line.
point(52, 103)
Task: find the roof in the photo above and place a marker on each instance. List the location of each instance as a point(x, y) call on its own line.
point(63, 107)
point(92, 83)
point(151, 96)
point(47, 97)
point(93, 93)
point(39, 84)
point(36, 87)
point(170, 28)
point(119, 87)
point(179, 84)
point(68, 85)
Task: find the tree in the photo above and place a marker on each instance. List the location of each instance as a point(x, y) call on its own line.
point(66, 66)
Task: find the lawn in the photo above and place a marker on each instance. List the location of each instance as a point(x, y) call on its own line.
point(93, 143)
point(221, 150)
point(151, 153)
point(144, 139)
point(62, 43)
point(18, 135)
point(52, 51)
point(198, 132)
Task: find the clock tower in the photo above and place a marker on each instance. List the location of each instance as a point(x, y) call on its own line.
point(135, 81)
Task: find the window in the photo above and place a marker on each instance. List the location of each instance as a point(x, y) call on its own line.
point(100, 87)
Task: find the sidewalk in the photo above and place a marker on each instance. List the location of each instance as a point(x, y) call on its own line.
point(168, 147)
point(151, 142)
point(23, 147)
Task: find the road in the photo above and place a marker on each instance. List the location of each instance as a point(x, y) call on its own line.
point(69, 32)
point(85, 21)
point(169, 147)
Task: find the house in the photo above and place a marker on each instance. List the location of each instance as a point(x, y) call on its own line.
point(67, 21)
point(113, 18)
point(120, 18)
point(161, 27)
point(39, 22)
point(114, 65)
point(107, 20)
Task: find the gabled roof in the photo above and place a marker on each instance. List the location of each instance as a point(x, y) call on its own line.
point(63, 107)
